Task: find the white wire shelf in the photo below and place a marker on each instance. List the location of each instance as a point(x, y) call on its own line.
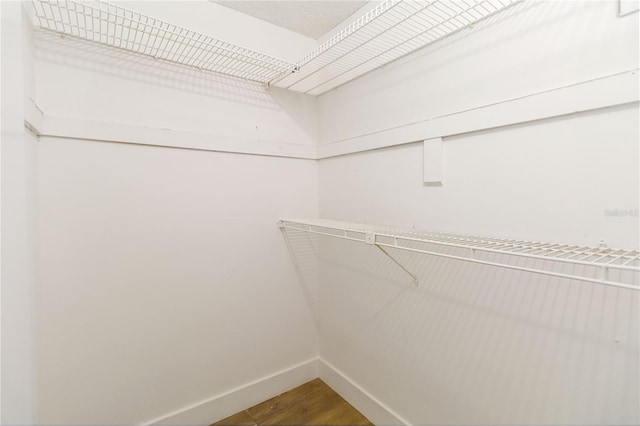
point(391, 30)
point(115, 26)
point(601, 265)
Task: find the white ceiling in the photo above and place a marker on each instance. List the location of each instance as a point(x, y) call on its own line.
point(310, 18)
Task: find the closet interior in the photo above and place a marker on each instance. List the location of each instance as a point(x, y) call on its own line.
point(431, 207)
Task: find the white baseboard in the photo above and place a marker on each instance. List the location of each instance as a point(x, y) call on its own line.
point(235, 400)
point(372, 408)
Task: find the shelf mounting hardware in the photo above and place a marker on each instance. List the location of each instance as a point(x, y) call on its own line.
point(370, 238)
point(602, 265)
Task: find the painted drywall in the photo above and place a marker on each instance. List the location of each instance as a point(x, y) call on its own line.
point(164, 283)
point(530, 48)
point(476, 344)
point(18, 402)
point(163, 278)
point(141, 246)
point(88, 83)
point(481, 345)
point(553, 180)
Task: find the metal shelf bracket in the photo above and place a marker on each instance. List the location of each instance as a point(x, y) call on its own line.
point(619, 268)
point(414, 279)
point(370, 238)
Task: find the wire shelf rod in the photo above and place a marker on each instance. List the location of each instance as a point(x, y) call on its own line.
point(511, 245)
point(506, 245)
point(118, 27)
point(500, 251)
point(633, 259)
point(404, 27)
point(520, 268)
point(482, 262)
point(349, 32)
point(321, 228)
point(434, 28)
point(621, 256)
point(357, 25)
point(361, 46)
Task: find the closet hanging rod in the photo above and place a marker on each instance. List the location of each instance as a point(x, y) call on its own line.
point(601, 261)
point(105, 23)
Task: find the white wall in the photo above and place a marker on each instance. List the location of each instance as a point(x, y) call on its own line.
point(92, 86)
point(480, 345)
point(476, 345)
point(139, 247)
point(18, 401)
point(532, 47)
point(164, 279)
point(552, 180)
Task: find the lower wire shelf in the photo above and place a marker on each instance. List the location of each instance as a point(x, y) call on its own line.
point(600, 265)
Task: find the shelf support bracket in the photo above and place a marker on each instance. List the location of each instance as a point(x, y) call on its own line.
point(370, 238)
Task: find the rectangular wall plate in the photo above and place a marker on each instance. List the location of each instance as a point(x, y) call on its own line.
point(433, 161)
point(370, 238)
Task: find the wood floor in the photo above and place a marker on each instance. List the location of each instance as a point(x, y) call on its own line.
point(313, 403)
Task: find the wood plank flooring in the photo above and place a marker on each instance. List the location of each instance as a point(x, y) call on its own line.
point(313, 403)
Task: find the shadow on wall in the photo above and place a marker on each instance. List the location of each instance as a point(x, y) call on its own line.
point(475, 343)
point(304, 250)
point(521, 17)
point(487, 34)
point(53, 47)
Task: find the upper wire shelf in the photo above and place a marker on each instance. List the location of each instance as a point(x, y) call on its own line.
point(601, 265)
point(394, 28)
point(105, 23)
point(389, 31)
